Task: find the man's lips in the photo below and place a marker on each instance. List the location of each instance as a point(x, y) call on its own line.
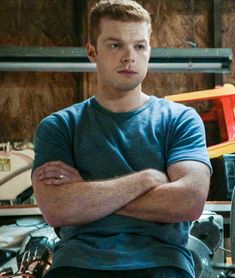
point(127, 71)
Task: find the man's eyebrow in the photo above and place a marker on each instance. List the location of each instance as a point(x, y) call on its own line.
point(141, 41)
point(119, 40)
point(112, 39)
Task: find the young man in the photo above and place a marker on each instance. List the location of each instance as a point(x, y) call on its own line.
point(121, 173)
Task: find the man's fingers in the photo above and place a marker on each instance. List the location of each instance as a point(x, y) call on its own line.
point(56, 168)
point(62, 180)
point(54, 181)
point(61, 165)
point(57, 173)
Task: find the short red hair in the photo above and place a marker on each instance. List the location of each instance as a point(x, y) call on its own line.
point(122, 10)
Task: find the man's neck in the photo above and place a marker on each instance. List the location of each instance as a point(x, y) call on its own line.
point(123, 102)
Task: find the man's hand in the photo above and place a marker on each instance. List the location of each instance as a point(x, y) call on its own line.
point(56, 173)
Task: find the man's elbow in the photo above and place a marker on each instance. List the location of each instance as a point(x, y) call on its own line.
point(53, 222)
point(197, 203)
point(51, 216)
point(196, 210)
point(195, 214)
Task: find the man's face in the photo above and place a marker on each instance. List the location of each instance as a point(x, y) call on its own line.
point(122, 54)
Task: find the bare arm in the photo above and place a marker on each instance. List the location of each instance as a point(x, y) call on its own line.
point(80, 202)
point(182, 199)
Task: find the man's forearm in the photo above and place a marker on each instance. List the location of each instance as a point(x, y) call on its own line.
point(83, 202)
point(182, 199)
point(162, 204)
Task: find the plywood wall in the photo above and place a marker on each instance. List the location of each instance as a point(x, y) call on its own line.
point(25, 98)
point(228, 34)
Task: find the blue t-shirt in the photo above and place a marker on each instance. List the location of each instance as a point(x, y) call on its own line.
point(102, 144)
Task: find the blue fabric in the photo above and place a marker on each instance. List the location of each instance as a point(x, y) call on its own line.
point(102, 144)
point(159, 272)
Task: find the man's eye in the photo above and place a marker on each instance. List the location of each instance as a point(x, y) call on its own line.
point(140, 46)
point(115, 45)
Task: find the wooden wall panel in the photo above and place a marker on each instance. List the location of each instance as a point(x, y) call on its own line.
point(27, 97)
point(228, 34)
point(177, 24)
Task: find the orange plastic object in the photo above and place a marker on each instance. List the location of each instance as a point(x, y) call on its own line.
point(223, 112)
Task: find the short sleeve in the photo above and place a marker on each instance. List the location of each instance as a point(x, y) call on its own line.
point(52, 142)
point(187, 139)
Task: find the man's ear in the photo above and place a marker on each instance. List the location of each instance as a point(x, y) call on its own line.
point(91, 52)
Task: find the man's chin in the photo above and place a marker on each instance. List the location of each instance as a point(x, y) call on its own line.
point(126, 87)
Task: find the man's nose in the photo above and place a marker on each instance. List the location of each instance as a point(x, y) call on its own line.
point(128, 56)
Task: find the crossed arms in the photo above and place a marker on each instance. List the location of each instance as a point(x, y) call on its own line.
point(148, 195)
